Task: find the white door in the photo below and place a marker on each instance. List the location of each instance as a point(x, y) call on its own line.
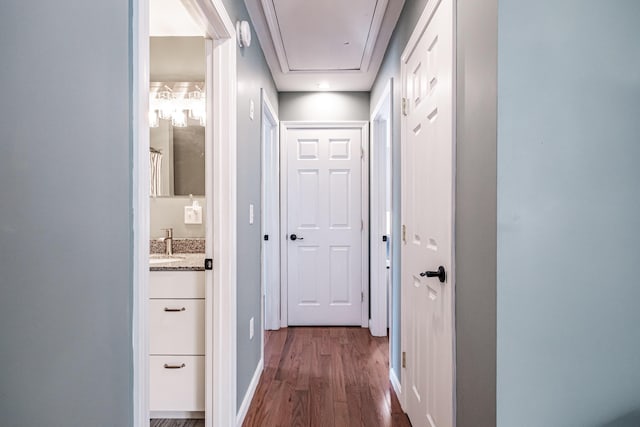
point(427, 195)
point(324, 225)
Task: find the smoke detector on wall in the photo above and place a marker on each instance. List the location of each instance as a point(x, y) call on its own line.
point(243, 32)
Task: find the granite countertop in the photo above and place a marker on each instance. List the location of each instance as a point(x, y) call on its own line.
point(187, 262)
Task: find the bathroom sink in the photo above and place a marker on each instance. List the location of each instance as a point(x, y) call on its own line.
point(161, 259)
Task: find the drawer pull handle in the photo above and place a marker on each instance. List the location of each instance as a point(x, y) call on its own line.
point(174, 309)
point(166, 366)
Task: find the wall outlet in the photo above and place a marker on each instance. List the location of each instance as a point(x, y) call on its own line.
point(193, 214)
point(251, 213)
point(251, 328)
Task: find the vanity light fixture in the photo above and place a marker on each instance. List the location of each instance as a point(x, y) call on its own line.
point(179, 104)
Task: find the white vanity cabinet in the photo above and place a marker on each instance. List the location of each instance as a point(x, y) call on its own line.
point(176, 342)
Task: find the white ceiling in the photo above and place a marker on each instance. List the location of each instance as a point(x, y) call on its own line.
point(171, 18)
point(338, 43)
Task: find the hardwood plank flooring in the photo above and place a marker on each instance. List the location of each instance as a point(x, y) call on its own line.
point(176, 423)
point(325, 377)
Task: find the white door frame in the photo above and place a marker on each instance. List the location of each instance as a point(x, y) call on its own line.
point(417, 32)
point(381, 135)
point(284, 128)
point(270, 290)
point(220, 335)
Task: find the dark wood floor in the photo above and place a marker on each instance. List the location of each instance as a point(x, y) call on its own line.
point(176, 423)
point(325, 377)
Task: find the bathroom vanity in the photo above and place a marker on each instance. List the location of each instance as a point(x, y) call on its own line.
point(176, 336)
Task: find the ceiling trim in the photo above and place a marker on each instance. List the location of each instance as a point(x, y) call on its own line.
point(269, 12)
point(374, 31)
point(267, 29)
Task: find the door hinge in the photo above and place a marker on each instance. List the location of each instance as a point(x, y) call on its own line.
point(404, 359)
point(404, 106)
point(362, 152)
point(362, 225)
point(404, 233)
point(361, 296)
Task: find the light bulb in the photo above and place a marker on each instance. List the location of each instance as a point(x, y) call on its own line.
point(179, 119)
point(154, 120)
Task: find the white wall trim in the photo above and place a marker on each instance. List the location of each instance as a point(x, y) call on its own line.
point(209, 236)
point(284, 127)
point(224, 299)
point(364, 203)
point(284, 262)
point(271, 305)
point(220, 393)
point(140, 205)
point(379, 161)
point(251, 391)
point(397, 386)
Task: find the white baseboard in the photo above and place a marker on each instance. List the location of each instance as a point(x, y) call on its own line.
point(177, 415)
point(372, 328)
point(248, 397)
point(395, 383)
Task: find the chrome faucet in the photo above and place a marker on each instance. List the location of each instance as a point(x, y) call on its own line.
point(168, 241)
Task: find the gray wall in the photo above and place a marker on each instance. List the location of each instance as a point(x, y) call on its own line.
point(568, 213)
point(324, 106)
point(253, 74)
point(177, 59)
point(168, 212)
point(475, 239)
point(65, 230)
point(475, 200)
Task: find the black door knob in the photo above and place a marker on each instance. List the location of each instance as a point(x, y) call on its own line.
point(294, 237)
point(440, 274)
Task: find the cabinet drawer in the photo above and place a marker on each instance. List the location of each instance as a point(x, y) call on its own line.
point(176, 383)
point(176, 284)
point(176, 326)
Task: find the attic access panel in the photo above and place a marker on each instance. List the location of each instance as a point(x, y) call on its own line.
point(326, 35)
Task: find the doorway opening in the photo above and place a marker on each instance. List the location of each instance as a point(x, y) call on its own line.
point(324, 223)
point(220, 235)
point(381, 214)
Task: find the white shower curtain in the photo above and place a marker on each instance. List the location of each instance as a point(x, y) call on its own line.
point(156, 173)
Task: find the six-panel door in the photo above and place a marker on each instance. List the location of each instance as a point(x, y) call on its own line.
point(325, 215)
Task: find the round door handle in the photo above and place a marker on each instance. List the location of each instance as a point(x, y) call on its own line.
point(441, 274)
point(294, 237)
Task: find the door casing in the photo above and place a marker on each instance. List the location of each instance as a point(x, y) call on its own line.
point(220, 292)
point(270, 248)
point(364, 127)
point(381, 188)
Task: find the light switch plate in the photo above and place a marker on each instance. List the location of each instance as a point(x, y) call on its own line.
point(193, 214)
point(251, 213)
point(251, 109)
point(251, 329)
